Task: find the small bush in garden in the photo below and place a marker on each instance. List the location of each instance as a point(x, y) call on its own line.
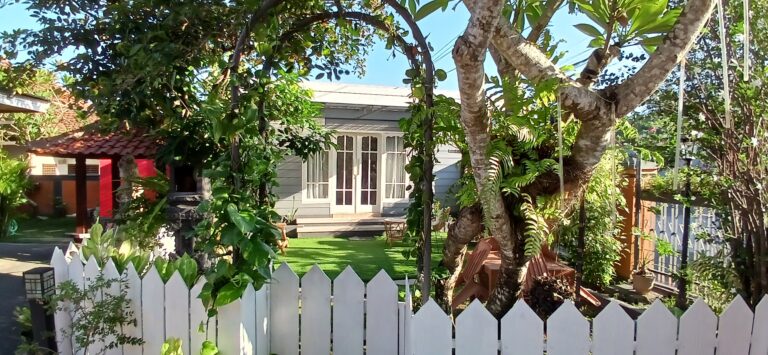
point(13, 184)
point(97, 315)
point(547, 294)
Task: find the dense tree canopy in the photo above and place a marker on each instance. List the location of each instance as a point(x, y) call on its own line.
point(167, 65)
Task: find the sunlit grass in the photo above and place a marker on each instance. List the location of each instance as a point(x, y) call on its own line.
point(50, 230)
point(366, 257)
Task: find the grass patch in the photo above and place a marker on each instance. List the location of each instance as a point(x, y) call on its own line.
point(366, 257)
point(36, 230)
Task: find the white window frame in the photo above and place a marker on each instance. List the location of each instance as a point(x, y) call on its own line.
point(304, 182)
point(385, 167)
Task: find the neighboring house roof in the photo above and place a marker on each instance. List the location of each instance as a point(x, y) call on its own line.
point(68, 119)
point(344, 95)
point(88, 142)
point(22, 103)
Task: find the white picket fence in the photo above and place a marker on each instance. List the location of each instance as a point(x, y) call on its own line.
point(345, 316)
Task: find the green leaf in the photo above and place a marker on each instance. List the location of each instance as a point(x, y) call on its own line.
point(241, 223)
point(229, 293)
point(441, 75)
point(418, 92)
point(187, 268)
point(588, 30)
point(412, 6)
point(428, 9)
point(209, 348)
point(230, 235)
point(598, 42)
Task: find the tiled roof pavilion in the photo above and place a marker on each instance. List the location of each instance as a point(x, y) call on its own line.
point(88, 142)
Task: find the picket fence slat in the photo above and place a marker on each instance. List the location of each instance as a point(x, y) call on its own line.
point(110, 273)
point(697, 330)
point(434, 330)
point(381, 316)
point(229, 337)
point(76, 276)
point(198, 320)
point(284, 299)
point(760, 329)
point(348, 308)
point(76, 271)
point(262, 321)
point(613, 332)
point(522, 331)
point(132, 286)
point(248, 319)
point(315, 312)
point(153, 311)
point(476, 331)
point(61, 317)
point(735, 328)
point(177, 310)
point(90, 273)
point(656, 331)
point(407, 340)
point(567, 331)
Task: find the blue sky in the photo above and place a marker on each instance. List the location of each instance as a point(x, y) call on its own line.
point(441, 28)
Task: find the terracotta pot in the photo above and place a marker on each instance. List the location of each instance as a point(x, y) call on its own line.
point(642, 283)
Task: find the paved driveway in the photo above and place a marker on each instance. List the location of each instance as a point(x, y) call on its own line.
point(14, 260)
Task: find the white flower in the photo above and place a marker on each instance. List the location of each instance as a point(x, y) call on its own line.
point(754, 141)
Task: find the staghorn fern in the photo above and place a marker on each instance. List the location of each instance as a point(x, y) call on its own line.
point(536, 230)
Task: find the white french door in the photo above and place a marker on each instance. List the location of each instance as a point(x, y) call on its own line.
point(357, 173)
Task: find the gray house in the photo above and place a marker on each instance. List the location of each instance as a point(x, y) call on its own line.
point(354, 187)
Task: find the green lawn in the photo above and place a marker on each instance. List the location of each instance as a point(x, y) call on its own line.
point(35, 230)
point(366, 257)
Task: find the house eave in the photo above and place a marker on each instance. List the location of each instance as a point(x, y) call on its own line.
point(22, 104)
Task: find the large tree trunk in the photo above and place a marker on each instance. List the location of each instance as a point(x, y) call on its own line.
point(467, 226)
point(597, 111)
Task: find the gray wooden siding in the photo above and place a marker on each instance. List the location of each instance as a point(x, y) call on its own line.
point(289, 192)
point(447, 161)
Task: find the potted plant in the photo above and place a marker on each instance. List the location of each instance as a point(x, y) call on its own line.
point(643, 278)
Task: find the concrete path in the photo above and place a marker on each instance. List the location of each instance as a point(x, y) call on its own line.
point(14, 260)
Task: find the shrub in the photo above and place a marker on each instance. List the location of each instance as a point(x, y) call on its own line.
point(13, 184)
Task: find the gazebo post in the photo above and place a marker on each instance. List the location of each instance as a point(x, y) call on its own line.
point(81, 195)
point(115, 184)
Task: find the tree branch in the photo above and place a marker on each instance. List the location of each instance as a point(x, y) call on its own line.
point(532, 63)
point(679, 40)
point(546, 16)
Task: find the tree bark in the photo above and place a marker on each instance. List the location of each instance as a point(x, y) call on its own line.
point(467, 226)
point(469, 54)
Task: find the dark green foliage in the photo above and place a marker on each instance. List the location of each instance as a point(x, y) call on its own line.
point(13, 185)
point(98, 315)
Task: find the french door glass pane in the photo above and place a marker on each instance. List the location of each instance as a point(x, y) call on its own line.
point(368, 164)
point(395, 183)
point(317, 176)
point(344, 170)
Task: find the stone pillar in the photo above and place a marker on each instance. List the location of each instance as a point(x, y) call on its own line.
point(631, 216)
